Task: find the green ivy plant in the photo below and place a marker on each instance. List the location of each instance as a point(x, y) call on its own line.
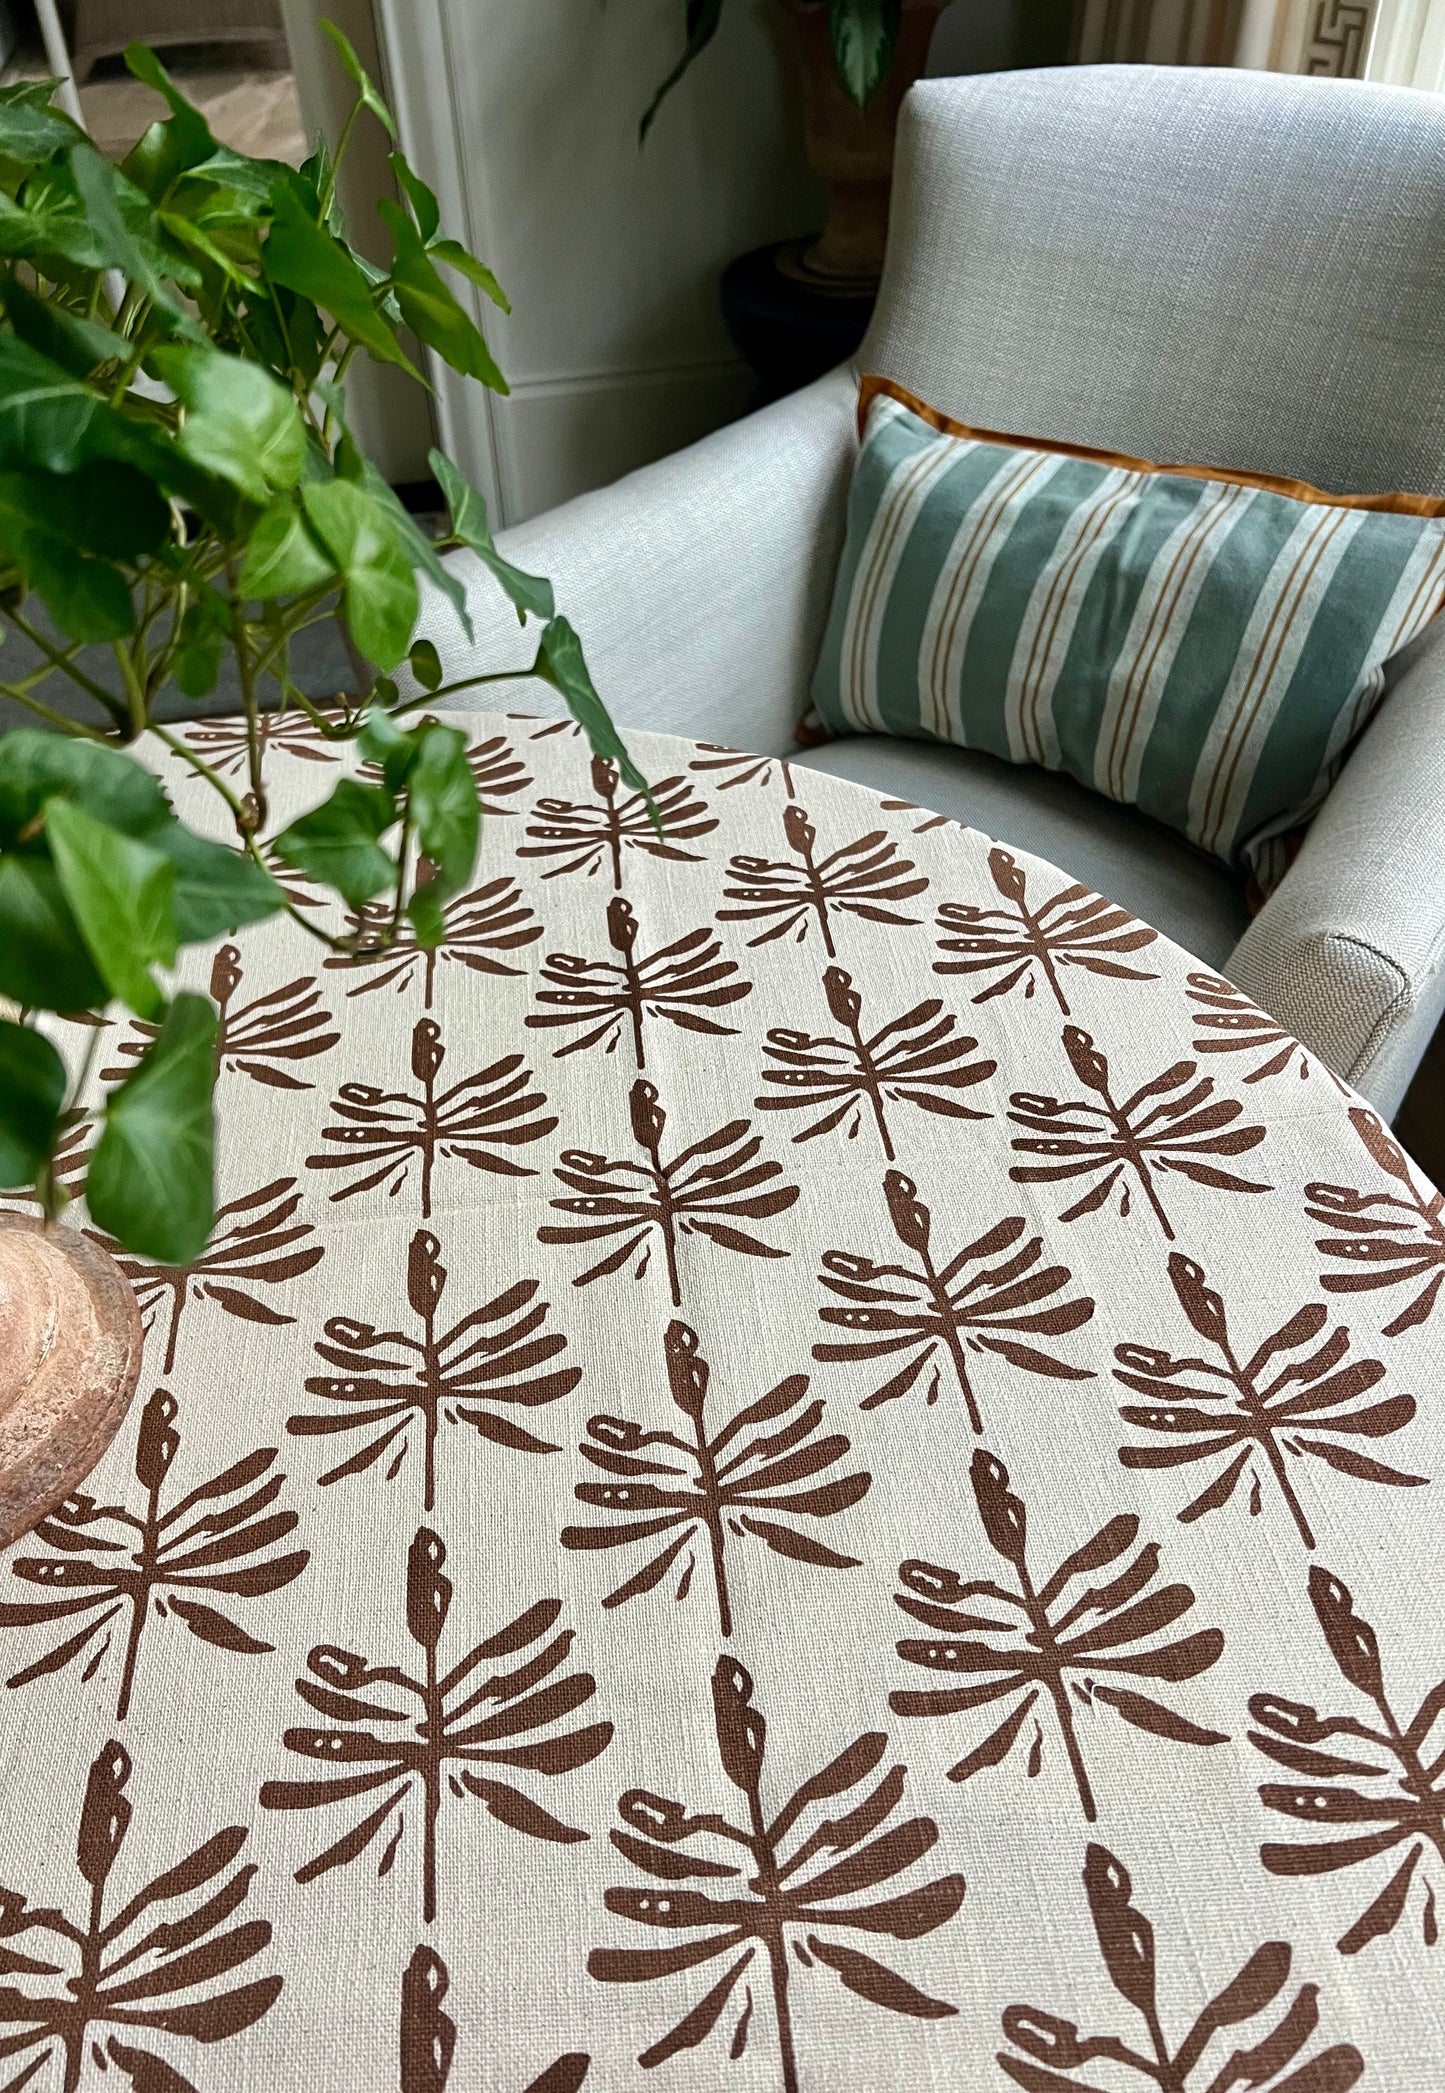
point(864, 35)
point(178, 484)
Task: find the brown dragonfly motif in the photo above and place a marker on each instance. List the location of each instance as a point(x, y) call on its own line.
point(989, 1298)
point(584, 837)
point(481, 929)
point(706, 1189)
point(118, 1571)
point(90, 1987)
point(1046, 2050)
point(429, 2034)
point(1171, 1123)
point(866, 878)
point(255, 1039)
point(1383, 1239)
point(918, 1058)
point(256, 1242)
point(1398, 1761)
point(1021, 945)
point(756, 1476)
point(396, 1389)
point(599, 999)
point(440, 1731)
point(1054, 1641)
point(1247, 1414)
point(472, 1121)
point(779, 1885)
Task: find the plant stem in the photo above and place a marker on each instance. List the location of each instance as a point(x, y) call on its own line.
point(64, 661)
point(74, 727)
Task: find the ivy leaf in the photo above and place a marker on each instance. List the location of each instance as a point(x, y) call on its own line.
point(703, 17)
point(381, 594)
point(121, 892)
point(32, 1091)
point(35, 765)
point(123, 221)
point(529, 592)
point(190, 141)
point(197, 660)
point(217, 889)
point(424, 206)
point(30, 130)
point(865, 36)
point(359, 74)
point(443, 800)
point(417, 545)
point(428, 916)
point(301, 256)
point(429, 308)
point(560, 663)
point(47, 417)
point(240, 423)
point(88, 598)
point(44, 964)
point(76, 344)
point(150, 1180)
point(382, 741)
point(426, 664)
point(337, 841)
point(283, 555)
point(466, 264)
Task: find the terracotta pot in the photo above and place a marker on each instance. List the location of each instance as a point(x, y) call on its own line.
point(70, 1355)
point(852, 148)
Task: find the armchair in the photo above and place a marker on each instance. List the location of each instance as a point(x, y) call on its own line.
point(1218, 267)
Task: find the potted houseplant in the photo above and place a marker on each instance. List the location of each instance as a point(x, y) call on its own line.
point(179, 486)
point(859, 59)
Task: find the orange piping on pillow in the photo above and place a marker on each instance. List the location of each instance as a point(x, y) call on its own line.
point(872, 386)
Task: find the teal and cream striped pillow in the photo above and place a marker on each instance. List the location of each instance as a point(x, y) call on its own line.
point(1204, 646)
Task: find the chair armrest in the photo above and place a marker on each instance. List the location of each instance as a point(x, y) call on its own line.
point(1349, 950)
point(699, 585)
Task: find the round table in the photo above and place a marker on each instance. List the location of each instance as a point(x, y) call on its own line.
point(803, 1459)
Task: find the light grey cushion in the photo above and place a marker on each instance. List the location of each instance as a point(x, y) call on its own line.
point(1117, 851)
point(1191, 265)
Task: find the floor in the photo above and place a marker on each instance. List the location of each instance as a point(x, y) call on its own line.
point(249, 105)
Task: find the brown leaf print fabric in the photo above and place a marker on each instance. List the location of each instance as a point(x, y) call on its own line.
point(800, 1359)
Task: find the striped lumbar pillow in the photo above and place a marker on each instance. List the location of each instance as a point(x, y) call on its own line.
point(1202, 645)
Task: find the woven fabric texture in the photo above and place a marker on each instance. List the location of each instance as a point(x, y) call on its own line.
point(783, 1473)
point(1202, 649)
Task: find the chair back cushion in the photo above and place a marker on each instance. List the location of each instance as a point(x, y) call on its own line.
point(1204, 648)
point(1177, 262)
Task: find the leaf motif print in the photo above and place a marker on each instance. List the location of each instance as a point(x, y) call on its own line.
point(599, 999)
point(256, 1242)
point(705, 1189)
point(918, 1058)
point(395, 1389)
point(1399, 1764)
point(481, 930)
point(1036, 1646)
point(756, 1476)
point(778, 1885)
point(225, 742)
point(125, 1968)
point(866, 878)
point(1228, 1023)
point(1021, 945)
point(433, 1736)
point(1248, 1414)
point(732, 767)
point(262, 1038)
point(429, 2034)
point(476, 1120)
point(113, 1573)
point(1383, 1239)
point(933, 1314)
point(1168, 1124)
point(583, 838)
point(1046, 2050)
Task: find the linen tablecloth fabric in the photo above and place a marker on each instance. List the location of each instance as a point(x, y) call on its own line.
point(804, 1458)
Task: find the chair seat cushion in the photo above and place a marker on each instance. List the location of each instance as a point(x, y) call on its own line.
point(1120, 853)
